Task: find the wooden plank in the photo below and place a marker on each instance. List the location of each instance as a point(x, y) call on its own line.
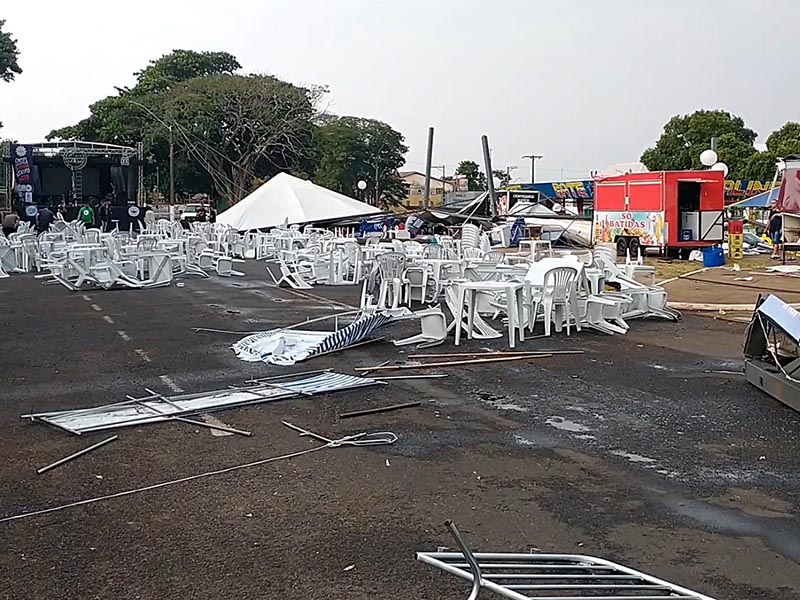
point(453, 363)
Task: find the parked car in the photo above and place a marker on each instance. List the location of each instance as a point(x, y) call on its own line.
point(189, 212)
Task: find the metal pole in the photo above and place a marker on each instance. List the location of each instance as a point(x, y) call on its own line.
point(171, 167)
point(377, 185)
point(533, 158)
point(714, 141)
point(76, 455)
point(487, 160)
point(426, 197)
point(474, 567)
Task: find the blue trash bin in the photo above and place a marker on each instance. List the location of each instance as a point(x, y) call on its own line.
point(713, 257)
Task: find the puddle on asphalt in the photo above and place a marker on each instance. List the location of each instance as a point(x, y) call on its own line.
point(500, 402)
point(567, 425)
point(636, 458)
point(783, 535)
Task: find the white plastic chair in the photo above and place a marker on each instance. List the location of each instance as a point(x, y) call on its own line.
point(434, 329)
point(391, 267)
point(558, 291)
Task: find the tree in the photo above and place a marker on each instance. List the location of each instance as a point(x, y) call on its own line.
point(785, 141)
point(240, 128)
point(9, 68)
point(503, 178)
point(137, 114)
point(476, 179)
point(352, 149)
point(182, 65)
point(686, 136)
point(735, 153)
point(761, 166)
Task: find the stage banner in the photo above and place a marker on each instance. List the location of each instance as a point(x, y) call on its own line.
point(23, 172)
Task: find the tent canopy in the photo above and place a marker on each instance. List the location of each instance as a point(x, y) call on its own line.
point(287, 199)
point(762, 200)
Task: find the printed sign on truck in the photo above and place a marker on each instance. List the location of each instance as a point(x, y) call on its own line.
point(647, 226)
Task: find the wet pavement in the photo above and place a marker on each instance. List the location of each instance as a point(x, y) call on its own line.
point(647, 449)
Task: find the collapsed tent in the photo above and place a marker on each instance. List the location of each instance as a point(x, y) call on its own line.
point(287, 199)
point(288, 346)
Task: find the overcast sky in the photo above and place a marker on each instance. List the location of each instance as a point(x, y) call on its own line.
point(586, 83)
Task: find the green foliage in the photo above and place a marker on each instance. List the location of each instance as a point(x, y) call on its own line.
point(785, 141)
point(9, 68)
point(352, 149)
point(735, 153)
point(686, 136)
point(183, 65)
point(239, 128)
point(503, 178)
point(476, 179)
point(760, 165)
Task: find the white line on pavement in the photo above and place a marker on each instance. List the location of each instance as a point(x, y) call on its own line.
point(143, 355)
point(108, 319)
point(124, 336)
point(97, 308)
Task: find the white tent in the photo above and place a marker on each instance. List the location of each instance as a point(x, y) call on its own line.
point(287, 199)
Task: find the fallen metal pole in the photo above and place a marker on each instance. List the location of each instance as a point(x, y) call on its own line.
point(400, 377)
point(380, 409)
point(58, 463)
point(224, 428)
point(368, 371)
point(453, 363)
point(474, 567)
point(493, 354)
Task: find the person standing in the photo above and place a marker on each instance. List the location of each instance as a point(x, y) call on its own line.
point(44, 219)
point(201, 214)
point(86, 215)
point(10, 223)
point(775, 229)
point(105, 216)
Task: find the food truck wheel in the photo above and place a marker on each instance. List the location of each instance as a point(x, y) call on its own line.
point(622, 246)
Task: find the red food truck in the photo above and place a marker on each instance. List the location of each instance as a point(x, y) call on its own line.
point(674, 211)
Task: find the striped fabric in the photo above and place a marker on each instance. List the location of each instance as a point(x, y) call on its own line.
point(289, 346)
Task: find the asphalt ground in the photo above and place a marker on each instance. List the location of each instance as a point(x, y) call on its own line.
point(648, 449)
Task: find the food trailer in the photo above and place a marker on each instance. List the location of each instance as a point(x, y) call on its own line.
point(674, 211)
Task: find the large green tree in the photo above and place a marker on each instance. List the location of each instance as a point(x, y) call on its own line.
point(352, 149)
point(686, 136)
point(9, 67)
point(137, 114)
point(240, 128)
point(476, 179)
point(761, 166)
point(785, 141)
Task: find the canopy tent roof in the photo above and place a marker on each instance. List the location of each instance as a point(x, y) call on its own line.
point(762, 200)
point(287, 199)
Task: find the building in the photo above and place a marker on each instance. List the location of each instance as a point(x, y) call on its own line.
point(416, 188)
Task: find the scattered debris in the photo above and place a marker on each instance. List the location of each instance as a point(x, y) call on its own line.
point(379, 409)
point(360, 439)
point(548, 575)
point(454, 363)
point(157, 408)
point(67, 459)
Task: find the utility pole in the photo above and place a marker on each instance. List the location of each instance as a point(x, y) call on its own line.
point(171, 168)
point(508, 172)
point(533, 158)
point(426, 198)
point(487, 161)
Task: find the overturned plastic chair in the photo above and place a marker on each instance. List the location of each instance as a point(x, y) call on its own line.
point(434, 329)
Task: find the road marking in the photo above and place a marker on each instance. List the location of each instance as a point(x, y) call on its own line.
point(143, 355)
point(124, 336)
point(97, 308)
point(171, 384)
point(215, 421)
point(108, 319)
point(87, 298)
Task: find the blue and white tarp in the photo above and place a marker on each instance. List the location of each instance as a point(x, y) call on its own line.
point(289, 346)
